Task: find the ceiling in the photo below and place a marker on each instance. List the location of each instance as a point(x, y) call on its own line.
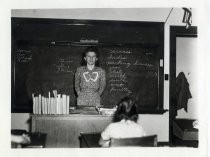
point(127, 14)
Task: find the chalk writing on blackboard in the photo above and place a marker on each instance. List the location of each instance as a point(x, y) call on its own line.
point(137, 63)
point(117, 73)
point(119, 62)
point(118, 82)
point(121, 57)
point(23, 56)
point(64, 65)
point(83, 40)
point(120, 52)
point(116, 60)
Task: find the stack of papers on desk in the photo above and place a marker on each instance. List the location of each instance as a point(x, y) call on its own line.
point(106, 111)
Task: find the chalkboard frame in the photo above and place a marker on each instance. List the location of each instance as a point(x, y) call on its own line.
point(18, 21)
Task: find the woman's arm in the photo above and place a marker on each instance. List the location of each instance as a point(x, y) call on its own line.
point(105, 137)
point(77, 80)
point(104, 143)
point(102, 82)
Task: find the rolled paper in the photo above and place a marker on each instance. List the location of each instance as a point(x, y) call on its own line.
point(58, 104)
point(67, 104)
point(40, 104)
point(64, 103)
point(33, 103)
point(49, 103)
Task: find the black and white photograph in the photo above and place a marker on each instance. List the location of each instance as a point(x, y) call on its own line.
point(103, 79)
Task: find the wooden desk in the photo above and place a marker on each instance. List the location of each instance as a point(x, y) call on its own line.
point(184, 134)
point(64, 130)
point(38, 140)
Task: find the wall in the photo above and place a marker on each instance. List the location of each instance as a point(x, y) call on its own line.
point(153, 124)
point(20, 121)
point(186, 61)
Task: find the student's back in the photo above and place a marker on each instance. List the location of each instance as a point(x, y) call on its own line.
point(125, 123)
point(123, 129)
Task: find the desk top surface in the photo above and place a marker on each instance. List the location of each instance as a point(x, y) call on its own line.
point(74, 113)
point(71, 115)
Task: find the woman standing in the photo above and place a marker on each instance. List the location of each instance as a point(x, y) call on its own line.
point(90, 80)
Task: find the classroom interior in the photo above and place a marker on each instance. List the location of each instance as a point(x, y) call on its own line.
point(179, 55)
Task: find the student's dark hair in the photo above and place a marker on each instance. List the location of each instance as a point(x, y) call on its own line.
point(126, 109)
point(90, 49)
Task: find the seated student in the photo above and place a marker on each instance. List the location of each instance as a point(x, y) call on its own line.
point(125, 123)
point(17, 140)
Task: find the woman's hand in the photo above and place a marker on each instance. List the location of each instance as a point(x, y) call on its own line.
point(104, 143)
point(25, 139)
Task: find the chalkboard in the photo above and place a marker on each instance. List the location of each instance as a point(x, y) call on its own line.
point(133, 67)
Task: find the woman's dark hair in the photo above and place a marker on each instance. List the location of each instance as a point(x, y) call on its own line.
point(127, 109)
point(90, 49)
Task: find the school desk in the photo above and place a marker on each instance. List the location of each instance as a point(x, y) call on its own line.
point(63, 131)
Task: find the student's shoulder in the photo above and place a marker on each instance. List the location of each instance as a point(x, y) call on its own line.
point(113, 125)
point(139, 126)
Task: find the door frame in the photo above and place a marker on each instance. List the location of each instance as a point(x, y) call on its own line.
point(175, 31)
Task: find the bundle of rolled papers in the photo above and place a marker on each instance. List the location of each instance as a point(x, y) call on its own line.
point(196, 124)
point(58, 104)
point(106, 111)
